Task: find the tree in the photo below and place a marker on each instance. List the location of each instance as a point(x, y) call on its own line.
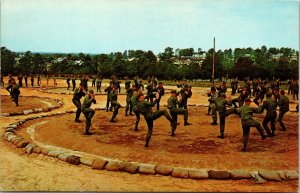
point(7, 61)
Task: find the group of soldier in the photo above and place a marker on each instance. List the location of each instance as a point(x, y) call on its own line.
point(136, 102)
point(218, 102)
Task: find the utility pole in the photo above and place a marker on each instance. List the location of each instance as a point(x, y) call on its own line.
point(213, 66)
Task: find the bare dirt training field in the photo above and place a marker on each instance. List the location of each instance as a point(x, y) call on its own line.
point(193, 146)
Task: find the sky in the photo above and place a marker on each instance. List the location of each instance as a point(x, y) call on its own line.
point(104, 26)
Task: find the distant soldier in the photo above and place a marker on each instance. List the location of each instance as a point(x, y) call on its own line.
point(284, 106)
point(98, 84)
point(261, 91)
point(290, 82)
point(68, 82)
point(145, 108)
point(85, 80)
point(140, 82)
point(107, 90)
point(48, 78)
point(2, 82)
point(254, 87)
point(74, 82)
point(174, 111)
point(127, 83)
point(183, 84)
point(222, 88)
point(234, 85)
point(15, 92)
point(129, 94)
point(25, 79)
point(78, 94)
point(221, 104)
point(9, 88)
point(87, 111)
point(154, 79)
point(39, 80)
point(54, 81)
point(241, 98)
point(248, 86)
point(149, 80)
point(94, 81)
point(295, 89)
point(134, 102)
point(246, 114)
point(213, 94)
point(32, 80)
point(114, 102)
point(161, 92)
point(151, 92)
point(20, 79)
point(185, 93)
point(276, 95)
point(270, 105)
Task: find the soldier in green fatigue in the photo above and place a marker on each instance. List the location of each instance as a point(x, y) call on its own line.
point(151, 91)
point(184, 85)
point(134, 102)
point(246, 114)
point(212, 106)
point(222, 88)
point(270, 105)
point(161, 92)
point(15, 92)
point(114, 102)
point(145, 108)
point(98, 84)
point(241, 99)
point(73, 82)
point(261, 91)
point(68, 82)
point(127, 83)
point(108, 89)
point(284, 106)
point(78, 94)
point(87, 111)
point(129, 94)
point(221, 104)
point(174, 111)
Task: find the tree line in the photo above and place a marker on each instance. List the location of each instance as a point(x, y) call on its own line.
point(241, 62)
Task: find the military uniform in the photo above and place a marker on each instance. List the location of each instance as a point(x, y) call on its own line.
point(246, 114)
point(161, 92)
point(98, 84)
point(32, 80)
point(234, 84)
point(174, 111)
point(108, 89)
point(127, 84)
point(88, 112)
point(114, 102)
point(94, 82)
point(261, 91)
point(134, 102)
point(73, 83)
point(129, 94)
point(221, 104)
point(213, 108)
point(240, 99)
point(78, 94)
point(25, 79)
point(15, 93)
point(145, 108)
point(20, 79)
point(270, 106)
point(283, 108)
point(68, 82)
point(151, 91)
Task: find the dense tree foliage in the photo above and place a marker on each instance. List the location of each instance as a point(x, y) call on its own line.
point(241, 62)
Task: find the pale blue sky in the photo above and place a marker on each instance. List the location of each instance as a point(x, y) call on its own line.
point(104, 26)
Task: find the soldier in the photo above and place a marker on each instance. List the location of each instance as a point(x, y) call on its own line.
point(32, 79)
point(254, 87)
point(94, 81)
point(222, 88)
point(184, 85)
point(25, 79)
point(98, 84)
point(185, 93)
point(290, 82)
point(161, 92)
point(212, 106)
point(127, 83)
point(2, 82)
point(108, 89)
point(39, 79)
point(134, 102)
point(85, 80)
point(129, 94)
point(276, 95)
point(221, 104)
point(48, 78)
point(20, 79)
point(270, 105)
point(87, 111)
point(151, 91)
point(295, 89)
point(74, 82)
point(248, 86)
point(78, 94)
point(261, 91)
point(246, 114)
point(114, 102)
point(15, 92)
point(174, 111)
point(241, 98)
point(234, 85)
point(283, 108)
point(10, 86)
point(140, 82)
point(145, 108)
point(68, 82)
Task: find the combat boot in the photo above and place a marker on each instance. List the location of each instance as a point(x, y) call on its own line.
point(186, 123)
point(87, 132)
point(214, 123)
point(221, 136)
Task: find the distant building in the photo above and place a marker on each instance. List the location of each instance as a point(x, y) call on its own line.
point(277, 56)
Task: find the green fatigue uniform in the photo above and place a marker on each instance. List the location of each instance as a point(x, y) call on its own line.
point(145, 108)
point(134, 102)
point(185, 86)
point(246, 114)
point(221, 104)
point(270, 106)
point(295, 90)
point(261, 91)
point(222, 89)
point(108, 89)
point(240, 99)
point(234, 86)
point(151, 91)
point(213, 108)
point(87, 111)
point(78, 94)
point(129, 94)
point(98, 84)
point(161, 92)
point(174, 111)
point(185, 95)
point(15, 93)
point(127, 84)
point(94, 82)
point(283, 108)
point(68, 83)
point(73, 83)
point(114, 102)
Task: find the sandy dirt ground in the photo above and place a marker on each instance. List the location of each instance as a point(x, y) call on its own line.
point(193, 146)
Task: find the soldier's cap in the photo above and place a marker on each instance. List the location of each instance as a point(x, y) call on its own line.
point(248, 100)
point(173, 92)
point(91, 91)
